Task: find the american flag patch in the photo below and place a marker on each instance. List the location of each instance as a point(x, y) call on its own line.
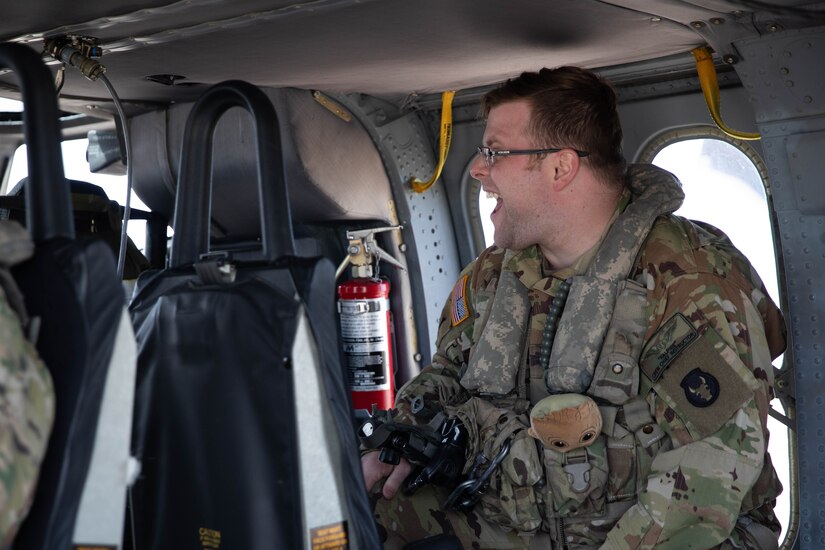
point(460, 309)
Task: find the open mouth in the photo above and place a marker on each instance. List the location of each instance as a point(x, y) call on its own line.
point(491, 195)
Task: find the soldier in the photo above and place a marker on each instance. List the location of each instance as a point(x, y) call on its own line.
point(594, 287)
point(26, 393)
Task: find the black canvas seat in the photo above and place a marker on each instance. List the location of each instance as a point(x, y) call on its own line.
point(241, 403)
point(84, 338)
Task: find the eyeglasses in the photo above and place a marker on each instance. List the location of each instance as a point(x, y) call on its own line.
point(490, 155)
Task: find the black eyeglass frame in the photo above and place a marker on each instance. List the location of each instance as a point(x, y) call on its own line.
point(489, 155)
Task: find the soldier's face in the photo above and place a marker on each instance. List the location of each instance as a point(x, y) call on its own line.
point(520, 216)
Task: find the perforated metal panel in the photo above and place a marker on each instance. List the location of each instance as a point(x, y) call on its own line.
point(429, 216)
point(784, 77)
point(407, 151)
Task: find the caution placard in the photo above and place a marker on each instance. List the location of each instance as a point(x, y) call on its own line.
point(329, 537)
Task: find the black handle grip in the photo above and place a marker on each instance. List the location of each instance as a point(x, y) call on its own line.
point(192, 206)
point(48, 202)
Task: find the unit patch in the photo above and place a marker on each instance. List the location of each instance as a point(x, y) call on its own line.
point(676, 334)
point(701, 388)
point(460, 311)
point(699, 376)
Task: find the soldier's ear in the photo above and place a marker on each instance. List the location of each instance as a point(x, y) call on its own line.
point(566, 166)
point(532, 433)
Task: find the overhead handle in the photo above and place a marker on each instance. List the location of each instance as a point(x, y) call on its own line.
point(710, 89)
point(48, 202)
point(193, 202)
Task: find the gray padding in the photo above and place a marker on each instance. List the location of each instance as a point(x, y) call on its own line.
point(333, 169)
point(100, 515)
point(340, 160)
point(321, 471)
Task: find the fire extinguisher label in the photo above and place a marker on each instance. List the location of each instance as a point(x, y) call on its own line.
point(366, 371)
point(366, 349)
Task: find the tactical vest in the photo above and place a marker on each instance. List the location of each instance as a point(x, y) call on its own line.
point(596, 352)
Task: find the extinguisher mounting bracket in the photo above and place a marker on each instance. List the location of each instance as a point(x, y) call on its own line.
point(363, 251)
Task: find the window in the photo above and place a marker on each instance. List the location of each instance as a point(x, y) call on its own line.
point(10, 105)
point(724, 188)
point(76, 167)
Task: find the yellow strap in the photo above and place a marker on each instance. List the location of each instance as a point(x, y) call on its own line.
point(444, 147)
point(710, 88)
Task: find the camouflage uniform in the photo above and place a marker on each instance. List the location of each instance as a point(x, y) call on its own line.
point(668, 327)
point(26, 394)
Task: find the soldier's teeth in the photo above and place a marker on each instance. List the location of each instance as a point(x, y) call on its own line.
point(491, 195)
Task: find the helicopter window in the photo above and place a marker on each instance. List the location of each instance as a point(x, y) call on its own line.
point(10, 106)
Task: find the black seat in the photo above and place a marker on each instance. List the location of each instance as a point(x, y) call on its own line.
point(229, 341)
point(72, 288)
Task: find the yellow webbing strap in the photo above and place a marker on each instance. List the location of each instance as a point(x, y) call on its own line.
point(444, 144)
point(710, 88)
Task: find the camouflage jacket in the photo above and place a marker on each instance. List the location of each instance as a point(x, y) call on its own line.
point(26, 394)
point(683, 451)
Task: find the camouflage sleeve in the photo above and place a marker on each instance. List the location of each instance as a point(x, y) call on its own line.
point(438, 384)
point(708, 379)
point(26, 415)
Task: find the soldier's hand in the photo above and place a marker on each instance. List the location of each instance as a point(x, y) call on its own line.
point(375, 470)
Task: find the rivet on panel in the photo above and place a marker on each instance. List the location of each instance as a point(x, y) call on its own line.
point(717, 20)
point(697, 24)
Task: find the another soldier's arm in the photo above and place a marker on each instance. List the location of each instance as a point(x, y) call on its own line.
point(709, 367)
point(26, 414)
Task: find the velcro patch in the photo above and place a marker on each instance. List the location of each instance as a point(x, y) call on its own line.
point(673, 338)
point(460, 311)
point(704, 383)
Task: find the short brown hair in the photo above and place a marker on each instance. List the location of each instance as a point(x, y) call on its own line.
point(572, 107)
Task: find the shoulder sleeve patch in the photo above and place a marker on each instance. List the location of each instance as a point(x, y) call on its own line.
point(704, 381)
point(458, 299)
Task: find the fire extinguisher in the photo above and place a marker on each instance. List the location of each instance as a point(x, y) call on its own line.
point(365, 323)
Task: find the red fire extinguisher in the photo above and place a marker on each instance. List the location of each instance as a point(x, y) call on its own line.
point(364, 306)
point(365, 322)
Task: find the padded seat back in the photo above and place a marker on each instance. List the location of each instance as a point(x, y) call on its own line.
point(241, 404)
point(72, 288)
